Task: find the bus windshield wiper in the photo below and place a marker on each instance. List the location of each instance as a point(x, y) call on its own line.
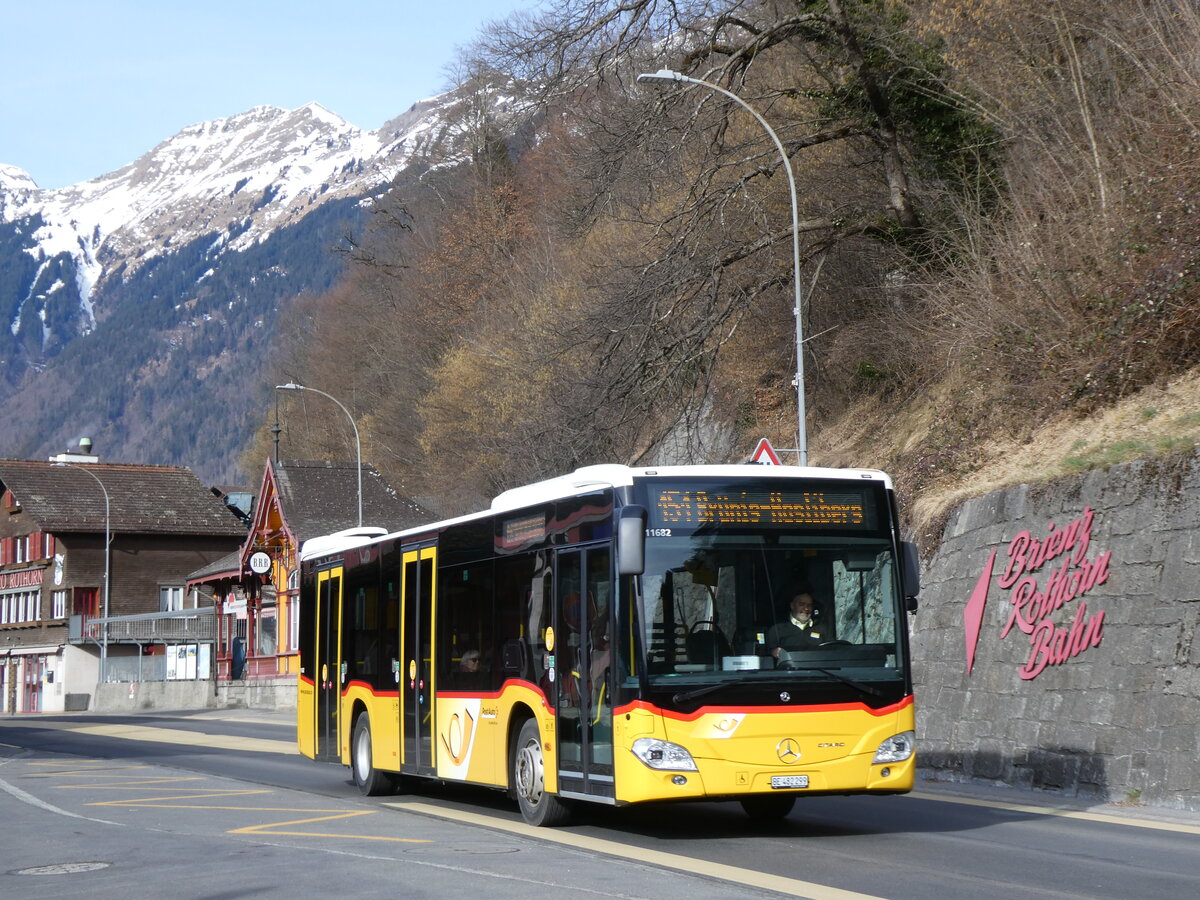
point(837, 676)
point(684, 696)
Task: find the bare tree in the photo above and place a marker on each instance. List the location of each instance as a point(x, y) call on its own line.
point(861, 108)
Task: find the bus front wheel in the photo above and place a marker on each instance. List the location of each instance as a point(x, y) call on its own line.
point(529, 781)
point(370, 780)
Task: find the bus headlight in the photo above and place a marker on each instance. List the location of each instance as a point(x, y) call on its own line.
point(659, 754)
point(897, 748)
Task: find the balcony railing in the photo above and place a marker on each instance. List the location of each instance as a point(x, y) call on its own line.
point(181, 626)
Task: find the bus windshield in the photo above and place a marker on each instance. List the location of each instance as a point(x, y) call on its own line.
point(789, 582)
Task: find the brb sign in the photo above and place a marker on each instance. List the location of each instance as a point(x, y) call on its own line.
point(1046, 579)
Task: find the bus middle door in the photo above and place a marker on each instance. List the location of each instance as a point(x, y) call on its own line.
point(327, 676)
point(416, 660)
point(583, 606)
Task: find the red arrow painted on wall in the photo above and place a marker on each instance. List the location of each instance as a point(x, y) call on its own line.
point(973, 613)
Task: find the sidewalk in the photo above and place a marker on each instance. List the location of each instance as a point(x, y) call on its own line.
point(934, 785)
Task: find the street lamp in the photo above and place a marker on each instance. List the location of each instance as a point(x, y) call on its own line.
point(107, 543)
point(292, 386)
point(678, 77)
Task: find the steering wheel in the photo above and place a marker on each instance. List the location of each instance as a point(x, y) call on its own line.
point(838, 643)
point(786, 660)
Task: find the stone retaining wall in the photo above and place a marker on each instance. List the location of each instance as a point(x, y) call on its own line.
point(264, 693)
point(1055, 644)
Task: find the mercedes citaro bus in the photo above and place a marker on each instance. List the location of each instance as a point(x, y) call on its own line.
point(604, 637)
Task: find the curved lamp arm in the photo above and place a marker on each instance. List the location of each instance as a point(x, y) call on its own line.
point(678, 77)
point(292, 386)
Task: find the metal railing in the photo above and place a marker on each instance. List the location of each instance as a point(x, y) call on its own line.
point(180, 626)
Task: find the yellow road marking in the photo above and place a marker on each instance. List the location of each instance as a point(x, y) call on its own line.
point(1063, 813)
point(271, 829)
point(88, 766)
point(162, 801)
point(102, 770)
point(197, 798)
point(778, 883)
point(126, 785)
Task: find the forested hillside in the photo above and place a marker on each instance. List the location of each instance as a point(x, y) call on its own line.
point(999, 226)
point(171, 374)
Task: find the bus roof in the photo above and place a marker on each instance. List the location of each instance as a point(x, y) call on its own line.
point(582, 480)
point(339, 541)
point(621, 476)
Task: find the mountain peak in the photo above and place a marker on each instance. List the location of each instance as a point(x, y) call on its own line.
point(317, 111)
point(176, 266)
point(14, 178)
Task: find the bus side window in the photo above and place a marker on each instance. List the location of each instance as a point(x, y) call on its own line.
point(515, 611)
point(465, 626)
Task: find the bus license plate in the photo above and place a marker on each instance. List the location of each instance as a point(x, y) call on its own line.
point(789, 781)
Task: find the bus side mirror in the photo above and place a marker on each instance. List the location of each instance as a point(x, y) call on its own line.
point(910, 574)
point(631, 540)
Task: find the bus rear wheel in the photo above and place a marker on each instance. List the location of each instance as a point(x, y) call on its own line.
point(768, 807)
point(370, 780)
point(529, 781)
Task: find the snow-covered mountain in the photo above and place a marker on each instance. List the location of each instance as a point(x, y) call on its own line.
point(241, 177)
point(212, 231)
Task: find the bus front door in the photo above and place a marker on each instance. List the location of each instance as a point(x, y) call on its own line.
point(328, 656)
point(416, 660)
point(583, 608)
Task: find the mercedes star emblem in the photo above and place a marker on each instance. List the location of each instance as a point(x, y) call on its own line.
point(788, 750)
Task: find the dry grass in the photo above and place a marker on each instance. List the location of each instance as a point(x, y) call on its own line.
point(1062, 333)
point(1158, 420)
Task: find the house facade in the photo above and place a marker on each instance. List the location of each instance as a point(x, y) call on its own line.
point(82, 543)
point(256, 589)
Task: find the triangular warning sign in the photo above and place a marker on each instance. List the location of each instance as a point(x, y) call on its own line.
point(764, 454)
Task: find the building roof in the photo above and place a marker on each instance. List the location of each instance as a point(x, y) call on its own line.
point(228, 566)
point(320, 497)
point(141, 499)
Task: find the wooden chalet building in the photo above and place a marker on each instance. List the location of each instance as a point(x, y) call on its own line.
point(162, 523)
point(256, 589)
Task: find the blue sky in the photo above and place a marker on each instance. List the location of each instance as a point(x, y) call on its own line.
point(87, 86)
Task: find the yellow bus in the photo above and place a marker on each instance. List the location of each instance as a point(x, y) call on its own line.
point(622, 635)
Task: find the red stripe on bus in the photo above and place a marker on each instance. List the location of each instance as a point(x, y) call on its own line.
point(764, 710)
point(458, 695)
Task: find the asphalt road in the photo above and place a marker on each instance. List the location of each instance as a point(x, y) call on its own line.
point(219, 805)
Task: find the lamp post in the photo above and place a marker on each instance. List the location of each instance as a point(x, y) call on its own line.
point(678, 77)
point(107, 543)
point(292, 386)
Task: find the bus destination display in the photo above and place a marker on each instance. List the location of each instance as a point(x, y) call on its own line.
point(689, 508)
point(521, 531)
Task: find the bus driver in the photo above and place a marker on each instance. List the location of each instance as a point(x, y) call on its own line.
point(797, 632)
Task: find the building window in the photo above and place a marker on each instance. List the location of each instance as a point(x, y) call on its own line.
point(170, 598)
point(293, 618)
point(18, 607)
point(59, 599)
point(265, 633)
